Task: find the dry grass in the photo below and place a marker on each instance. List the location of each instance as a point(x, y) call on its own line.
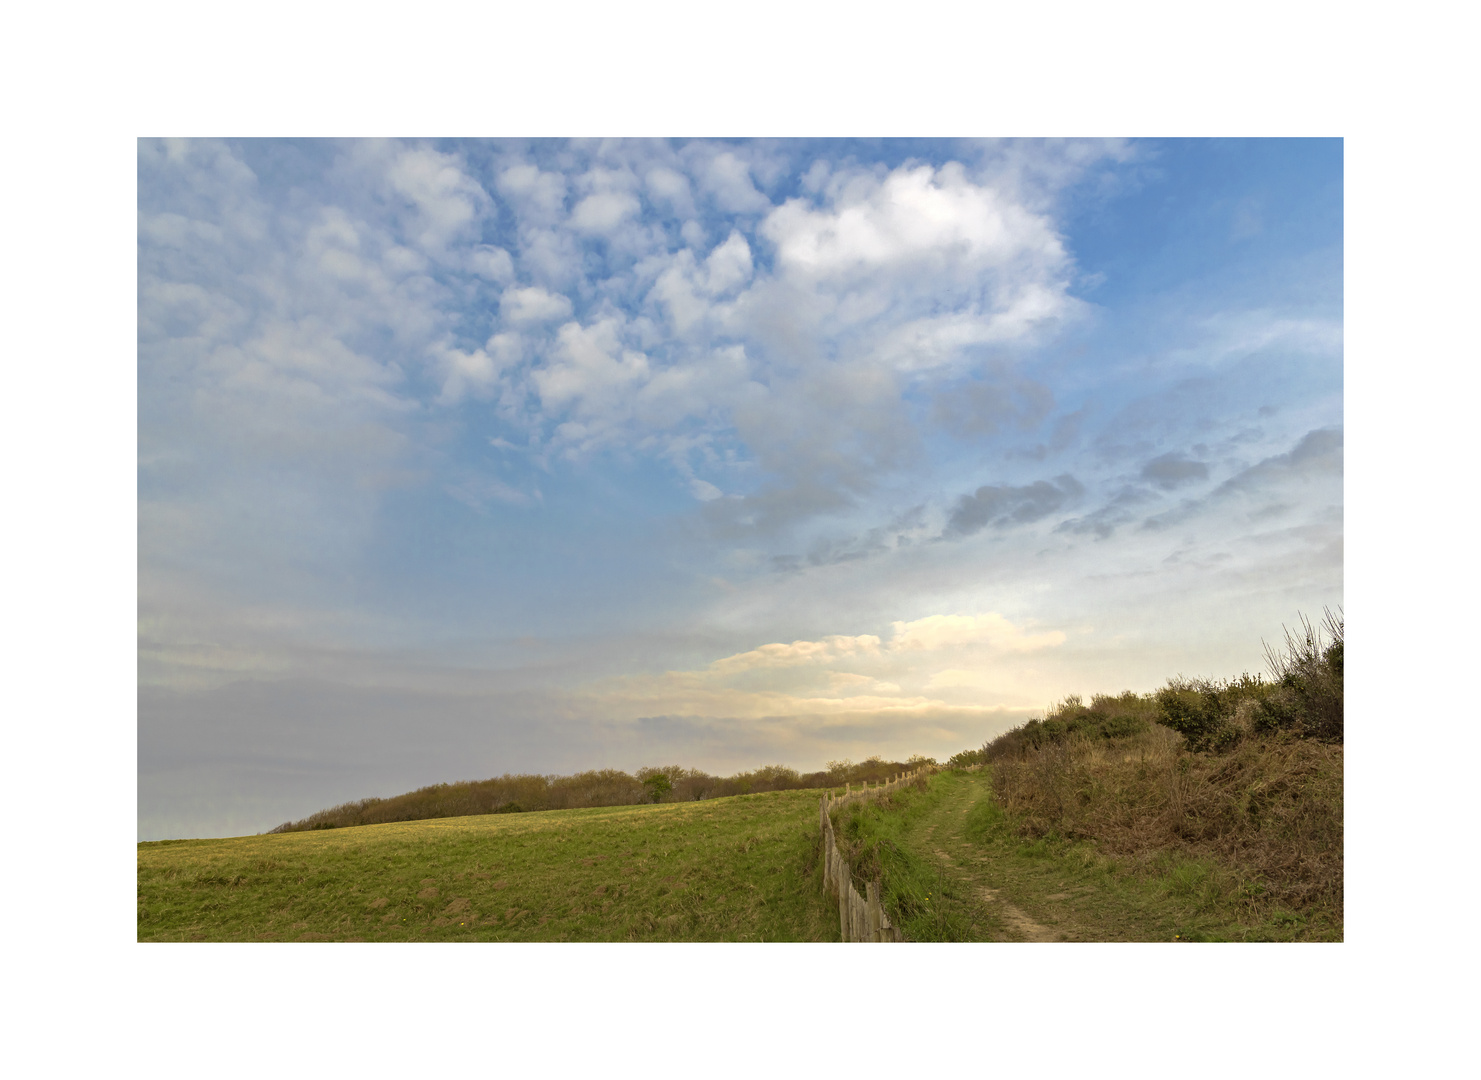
point(1270, 808)
point(1244, 774)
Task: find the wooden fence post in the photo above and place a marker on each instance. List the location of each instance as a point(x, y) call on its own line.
point(860, 917)
point(843, 912)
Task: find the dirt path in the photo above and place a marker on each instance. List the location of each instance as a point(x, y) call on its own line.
point(942, 834)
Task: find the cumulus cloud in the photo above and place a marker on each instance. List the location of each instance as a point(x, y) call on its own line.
point(590, 367)
point(781, 355)
point(465, 372)
point(949, 263)
point(795, 338)
point(604, 211)
point(491, 262)
point(852, 678)
point(538, 197)
point(448, 201)
point(521, 307)
point(726, 178)
point(671, 188)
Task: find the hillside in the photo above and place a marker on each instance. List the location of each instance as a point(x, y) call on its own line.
point(525, 792)
point(740, 868)
point(1208, 810)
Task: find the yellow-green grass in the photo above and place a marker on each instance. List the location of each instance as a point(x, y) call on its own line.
point(967, 873)
point(742, 868)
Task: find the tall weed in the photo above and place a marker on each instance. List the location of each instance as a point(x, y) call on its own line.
point(1246, 772)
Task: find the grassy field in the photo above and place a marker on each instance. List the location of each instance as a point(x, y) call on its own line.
point(954, 864)
point(733, 869)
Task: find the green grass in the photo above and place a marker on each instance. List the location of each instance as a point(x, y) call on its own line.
point(743, 868)
point(1079, 894)
point(954, 866)
point(924, 902)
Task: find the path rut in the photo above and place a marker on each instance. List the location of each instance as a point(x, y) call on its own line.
point(970, 869)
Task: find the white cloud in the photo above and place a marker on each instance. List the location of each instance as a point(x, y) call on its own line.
point(917, 215)
point(473, 372)
point(853, 678)
point(796, 340)
point(671, 188)
point(931, 262)
point(888, 278)
point(729, 266)
point(534, 305)
point(727, 179)
point(538, 197)
point(827, 651)
point(588, 372)
point(447, 200)
point(491, 262)
point(604, 211)
point(947, 631)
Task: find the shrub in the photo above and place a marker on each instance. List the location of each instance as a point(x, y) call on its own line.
point(1246, 771)
point(964, 758)
point(597, 787)
point(1307, 696)
point(1203, 711)
point(1108, 716)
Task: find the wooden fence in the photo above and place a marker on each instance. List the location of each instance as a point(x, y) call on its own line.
point(860, 918)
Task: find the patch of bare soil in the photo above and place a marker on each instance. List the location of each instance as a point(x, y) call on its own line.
point(1017, 919)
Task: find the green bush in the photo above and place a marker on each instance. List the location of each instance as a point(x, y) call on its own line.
point(1306, 698)
point(1204, 711)
point(1108, 716)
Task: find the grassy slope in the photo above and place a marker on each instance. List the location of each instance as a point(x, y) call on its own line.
point(985, 882)
point(734, 869)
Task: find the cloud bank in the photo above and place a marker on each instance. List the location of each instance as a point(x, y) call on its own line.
point(522, 435)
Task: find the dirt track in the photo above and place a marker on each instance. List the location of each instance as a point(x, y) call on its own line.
point(997, 918)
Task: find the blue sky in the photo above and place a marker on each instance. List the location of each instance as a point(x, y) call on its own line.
point(465, 457)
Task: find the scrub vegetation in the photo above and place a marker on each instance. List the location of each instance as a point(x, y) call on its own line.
point(601, 787)
point(1234, 788)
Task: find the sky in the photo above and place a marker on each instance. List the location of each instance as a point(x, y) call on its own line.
point(465, 457)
